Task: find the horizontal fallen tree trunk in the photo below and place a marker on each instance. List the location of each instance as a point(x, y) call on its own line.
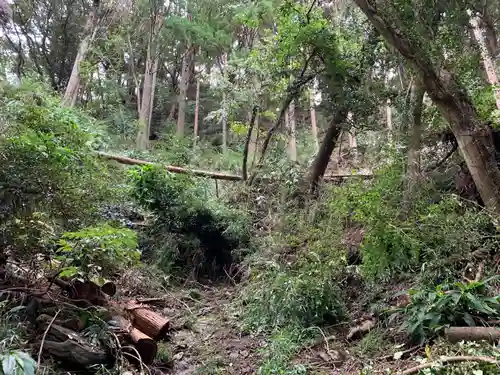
point(75, 353)
point(214, 175)
point(457, 334)
point(171, 168)
point(145, 345)
point(68, 346)
point(443, 360)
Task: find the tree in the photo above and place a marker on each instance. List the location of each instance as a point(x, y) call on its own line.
point(449, 95)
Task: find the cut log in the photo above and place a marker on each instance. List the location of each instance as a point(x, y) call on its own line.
point(81, 290)
point(145, 345)
point(109, 288)
point(149, 322)
point(456, 334)
point(75, 353)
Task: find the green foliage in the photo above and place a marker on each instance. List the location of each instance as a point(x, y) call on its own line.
point(430, 234)
point(17, 363)
point(193, 224)
point(279, 352)
point(98, 251)
point(49, 177)
point(458, 304)
point(303, 296)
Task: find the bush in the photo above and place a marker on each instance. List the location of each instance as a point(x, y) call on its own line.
point(98, 252)
point(459, 304)
point(431, 235)
point(304, 296)
point(49, 177)
point(194, 231)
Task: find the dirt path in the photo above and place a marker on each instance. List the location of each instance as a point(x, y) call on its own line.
point(205, 340)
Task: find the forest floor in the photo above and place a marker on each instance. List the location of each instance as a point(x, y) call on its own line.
point(207, 340)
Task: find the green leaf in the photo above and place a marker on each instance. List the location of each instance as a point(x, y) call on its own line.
point(9, 364)
point(469, 320)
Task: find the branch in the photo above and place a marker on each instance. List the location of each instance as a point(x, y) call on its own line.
point(416, 369)
point(247, 143)
point(443, 160)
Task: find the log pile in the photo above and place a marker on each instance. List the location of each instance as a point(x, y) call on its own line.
point(128, 329)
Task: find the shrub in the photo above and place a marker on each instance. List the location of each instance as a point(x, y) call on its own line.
point(48, 174)
point(97, 252)
point(431, 310)
point(431, 235)
point(304, 296)
point(197, 230)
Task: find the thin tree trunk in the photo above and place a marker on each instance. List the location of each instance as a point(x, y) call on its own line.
point(224, 123)
point(487, 61)
point(196, 111)
point(353, 145)
point(320, 163)
point(314, 123)
point(183, 86)
point(146, 99)
point(292, 140)
point(413, 161)
point(247, 143)
point(255, 140)
point(473, 137)
point(90, 30)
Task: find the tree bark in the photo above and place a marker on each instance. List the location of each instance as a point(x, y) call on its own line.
point(291, 125)
point(318, 168)
point(489, 66)
point(314, 123)
point(474, 137)
point(90, 30)
point(183, 87)
point(196, 111)
point(248, 140)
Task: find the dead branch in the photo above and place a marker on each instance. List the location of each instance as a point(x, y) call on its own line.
point(457, 334)
point(443, 360)
point(146, 347)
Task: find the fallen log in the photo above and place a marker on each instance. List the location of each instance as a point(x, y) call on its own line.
point(75, 353)
point(67, 345)
point(145, 345)
point(148, 321)
point(456, 334)
point(215, 175)
point(171, 168)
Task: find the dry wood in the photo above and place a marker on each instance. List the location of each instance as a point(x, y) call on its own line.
point(170, 168)
point(416, 369)
point(215, 175)
point(77, 353)
point(86, 291)
point(145, 345)
point(67, 345)
point(456, 334)
point(109, 288)
point(148, 321)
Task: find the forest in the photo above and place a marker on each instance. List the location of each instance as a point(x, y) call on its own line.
point(268, 187)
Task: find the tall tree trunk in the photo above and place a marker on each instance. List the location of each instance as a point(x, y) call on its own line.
point(353, 145)
point(489, 66)
point(473, 137)
point(254, 140)
point(147, 99)
point(183, 87)
point(196, 111)
point(90, 30)
point(314, 123)
point(291, 146)
point(320, 163)
point(413, 160)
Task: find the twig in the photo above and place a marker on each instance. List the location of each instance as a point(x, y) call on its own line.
point(44, 337)
point(443, 360)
